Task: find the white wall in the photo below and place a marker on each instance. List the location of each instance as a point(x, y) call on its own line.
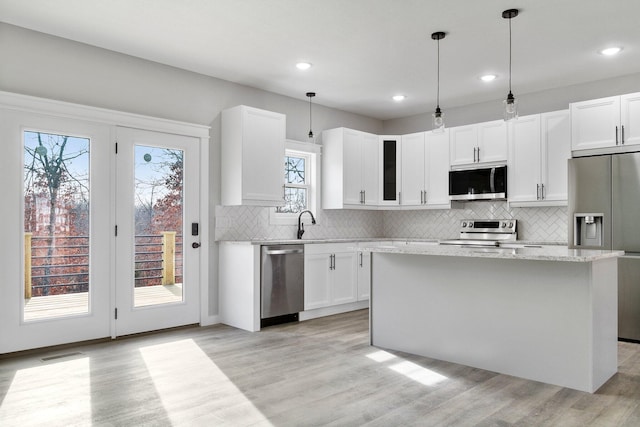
point(41, 65)
point(528, 103)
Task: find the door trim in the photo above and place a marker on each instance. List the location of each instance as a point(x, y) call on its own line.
point(59, 109)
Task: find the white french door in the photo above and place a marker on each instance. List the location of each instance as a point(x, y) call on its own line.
point(55, 211)
point(157, 242)
point(64, 190)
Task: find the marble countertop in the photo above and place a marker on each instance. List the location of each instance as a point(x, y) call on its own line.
point(545, 253)
point(364, 240)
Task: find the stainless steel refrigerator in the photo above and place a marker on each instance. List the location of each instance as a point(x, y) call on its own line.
point(604, 213)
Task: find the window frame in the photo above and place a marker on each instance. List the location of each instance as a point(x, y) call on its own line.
point(310, 152)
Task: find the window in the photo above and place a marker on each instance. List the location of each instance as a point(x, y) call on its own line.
point(296, 182)
point(299, 183)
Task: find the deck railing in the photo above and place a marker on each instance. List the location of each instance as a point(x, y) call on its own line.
point(60, 264)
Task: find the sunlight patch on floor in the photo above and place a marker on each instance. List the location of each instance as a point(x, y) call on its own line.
point(53, 394)
point(418, 373)
point(408, 369)
point(182, 365)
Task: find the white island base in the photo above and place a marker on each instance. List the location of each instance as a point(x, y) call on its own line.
point(549, 321)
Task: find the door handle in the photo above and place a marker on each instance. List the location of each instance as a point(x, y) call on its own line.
point(537, 191)
point(195, 245)
point(425, 197)
point(622, 139)
point(616, 135)
point(478, 154)
point(360, 259)
point(541, 191)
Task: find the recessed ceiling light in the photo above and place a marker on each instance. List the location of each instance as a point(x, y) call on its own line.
point(488, 77)
point(610, 51)
point(399, 98)
point(303, 65)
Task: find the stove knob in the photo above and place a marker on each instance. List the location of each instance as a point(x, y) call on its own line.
point(470, 224)
point(464, 224)
point(511, 225)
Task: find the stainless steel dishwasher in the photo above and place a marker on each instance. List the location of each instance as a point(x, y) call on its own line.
point(281, 284)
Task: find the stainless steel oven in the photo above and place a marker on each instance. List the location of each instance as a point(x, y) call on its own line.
point(485, 233)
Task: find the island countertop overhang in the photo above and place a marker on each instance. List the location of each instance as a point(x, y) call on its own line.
point(544, 253)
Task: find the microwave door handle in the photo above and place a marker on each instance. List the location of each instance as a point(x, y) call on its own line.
point(492, 180)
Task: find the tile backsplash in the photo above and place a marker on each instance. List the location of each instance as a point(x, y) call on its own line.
point(548, 224)
point(249, 222)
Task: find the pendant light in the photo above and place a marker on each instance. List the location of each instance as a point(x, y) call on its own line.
point(510, 104)
point(310, 95)
point(438, 119)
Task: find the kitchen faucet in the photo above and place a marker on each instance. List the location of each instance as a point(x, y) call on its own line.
point(301, 225)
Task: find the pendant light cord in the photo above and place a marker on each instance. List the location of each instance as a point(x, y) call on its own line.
point(438, 78)
point(509, 55)
point(310, 124)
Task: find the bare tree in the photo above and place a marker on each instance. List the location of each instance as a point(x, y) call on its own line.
point(47, 174)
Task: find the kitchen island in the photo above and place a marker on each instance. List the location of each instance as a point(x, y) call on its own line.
point(547, 314)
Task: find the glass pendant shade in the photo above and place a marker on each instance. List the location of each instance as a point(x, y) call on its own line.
point(510, 107)
point(438, 120)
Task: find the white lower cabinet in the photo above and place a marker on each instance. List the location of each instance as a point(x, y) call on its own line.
point(364, 275)
point(330, 276)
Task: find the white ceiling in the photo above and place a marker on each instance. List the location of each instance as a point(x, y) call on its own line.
point(362, 51)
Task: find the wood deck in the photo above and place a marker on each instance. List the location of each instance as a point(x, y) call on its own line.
point(37, 308)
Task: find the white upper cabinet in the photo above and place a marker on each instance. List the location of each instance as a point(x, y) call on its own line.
point(479, 143)
point(390, 154)
point(425, 169)
point(606, 122)
point(437, 169)
point(252, 157)
point(413, 169)
point(539, 147)
point(630, 118)
point(349, 169)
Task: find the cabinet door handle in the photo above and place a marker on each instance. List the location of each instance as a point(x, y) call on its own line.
point(364, 197)
point(421, 197)
point(622, 139)
point(478, 154)
point(425, 197)
point(399, 197)
point(361, 259)
point(541, 191)
point(537, 191)
point(616, 135)
point(284, 192)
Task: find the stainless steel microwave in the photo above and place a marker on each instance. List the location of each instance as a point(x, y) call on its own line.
point(478, 184)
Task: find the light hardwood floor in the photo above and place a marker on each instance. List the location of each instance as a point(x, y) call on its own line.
point(314, 373)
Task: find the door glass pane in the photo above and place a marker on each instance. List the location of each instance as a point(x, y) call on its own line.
point(158, 200)
point(56, 225)
point(389, 171)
